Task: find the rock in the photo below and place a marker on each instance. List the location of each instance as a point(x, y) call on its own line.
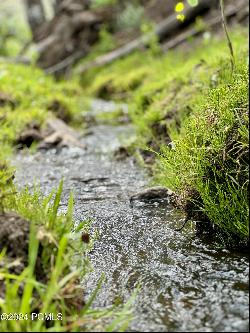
point(58, 134)
point(121, 153)
point(90, 179)
point(6, 99)
point(58, 125)
point(28, 137)
point(152, 193)
point(52, 140)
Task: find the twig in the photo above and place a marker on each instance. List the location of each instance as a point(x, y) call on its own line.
point(25, 48)
point(229, 43)
point(183, 226)
point(17, 60)
point(65, 63)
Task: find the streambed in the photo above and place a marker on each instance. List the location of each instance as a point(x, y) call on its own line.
point(185, 284)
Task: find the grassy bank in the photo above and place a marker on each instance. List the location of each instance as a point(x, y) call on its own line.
point(190, 110)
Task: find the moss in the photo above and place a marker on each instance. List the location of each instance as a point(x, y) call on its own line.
point(189, 100)
point(116, 80)
point(32, 94)
point(210, 155)
point(209, 165)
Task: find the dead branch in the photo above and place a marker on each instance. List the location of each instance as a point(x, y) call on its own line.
point(163, 29)
point(25, 48)
point(65, 63)
point(17, 60)
point(35, 15)
point(181, 38)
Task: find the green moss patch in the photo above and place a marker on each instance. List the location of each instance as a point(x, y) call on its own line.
point(190, 112)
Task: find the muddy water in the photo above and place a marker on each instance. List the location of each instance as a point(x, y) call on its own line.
point(185, 284)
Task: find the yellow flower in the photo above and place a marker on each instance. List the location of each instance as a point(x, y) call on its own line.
point(179, 7)
point(180, 17)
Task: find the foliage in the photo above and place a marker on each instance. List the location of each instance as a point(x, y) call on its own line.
point(131, 16)
point(211, 156)
point(172, 99)
point(106, 43)
point(59, 291)
point(102, 3)
point(153, 45)
point(26, 94)
point(30, 93)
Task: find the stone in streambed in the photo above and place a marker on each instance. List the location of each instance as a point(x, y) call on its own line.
point(28, 137)
point(152, 193)
point(58, 134)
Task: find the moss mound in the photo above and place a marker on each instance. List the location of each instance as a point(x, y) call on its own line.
point(190, 112)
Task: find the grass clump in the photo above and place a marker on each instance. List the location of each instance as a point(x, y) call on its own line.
point(43, 282)
point(118, 80)
point(168, 95)
point(161, 90)
point(210, 157)
point(191, 111)
point(27, 96)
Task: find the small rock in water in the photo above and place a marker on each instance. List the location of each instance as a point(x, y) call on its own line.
point(85, 237)
point(152, 193)
point(59, 134)
point(121, 153)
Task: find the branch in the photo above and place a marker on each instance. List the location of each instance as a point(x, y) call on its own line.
point(65, 63)
point(181, 38)
point(163, 29)
point(25, 48)
point(17, 60)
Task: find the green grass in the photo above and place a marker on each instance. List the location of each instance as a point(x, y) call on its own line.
point(32, 93)
point(28, 94)
point(211, 152)
point(59, 251)
point(191, 98)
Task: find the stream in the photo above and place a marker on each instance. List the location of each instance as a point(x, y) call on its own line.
point(185, 283)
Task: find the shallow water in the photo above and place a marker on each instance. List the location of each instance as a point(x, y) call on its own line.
point(185, 284)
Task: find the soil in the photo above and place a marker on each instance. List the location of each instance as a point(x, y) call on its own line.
point(14, 238)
